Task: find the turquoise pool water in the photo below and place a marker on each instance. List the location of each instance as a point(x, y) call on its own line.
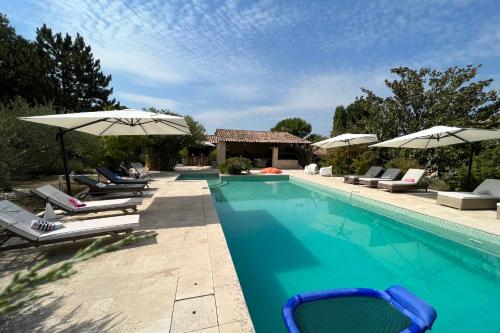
point(286, 238)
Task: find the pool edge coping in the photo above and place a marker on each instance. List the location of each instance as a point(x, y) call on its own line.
point(224, 274)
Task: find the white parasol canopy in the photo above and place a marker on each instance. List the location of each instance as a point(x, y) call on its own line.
point(116, 122)
point(346, 139)
point(106, 123)
point(438, 136)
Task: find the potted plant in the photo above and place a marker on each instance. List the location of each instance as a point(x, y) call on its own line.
point(213, 157)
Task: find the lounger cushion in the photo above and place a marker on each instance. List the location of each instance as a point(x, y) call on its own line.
point(467, 195)
point(490, 185)
point(373, 171)
point(412, 174)
point(397, 183)
point(61, 200)
point(89, 227)
point(18, 221)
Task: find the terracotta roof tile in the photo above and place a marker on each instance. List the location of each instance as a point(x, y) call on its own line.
point(229, 135)
point(212, 139)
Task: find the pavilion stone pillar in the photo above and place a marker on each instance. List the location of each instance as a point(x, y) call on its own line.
point(275, 156)
point(221, 156)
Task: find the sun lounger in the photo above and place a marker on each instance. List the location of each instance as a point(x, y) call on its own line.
point(374, 171)
point(311, 169)
point(96, 187)
point(17, 221)
point(389, 174)
point(410, 181)
point(485, 196)
point(62, 200)
point(326, 171)
point(116, 179)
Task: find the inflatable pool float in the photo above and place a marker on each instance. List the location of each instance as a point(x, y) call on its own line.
point(275, 171)
point(358, 310)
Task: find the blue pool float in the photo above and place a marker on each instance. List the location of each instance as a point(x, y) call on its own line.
point(358, 310)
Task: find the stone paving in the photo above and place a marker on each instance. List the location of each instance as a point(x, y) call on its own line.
point(418, 201)
point(181, 281)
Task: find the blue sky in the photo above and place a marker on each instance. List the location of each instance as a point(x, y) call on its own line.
point(242, 64)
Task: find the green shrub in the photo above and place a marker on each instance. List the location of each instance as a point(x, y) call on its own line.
point(485, 165)
point(362, 158)
point(184, 152)
point(404, 164)
point(213, 155)
point(236, 165)
point(439, 185)
point(363, 161)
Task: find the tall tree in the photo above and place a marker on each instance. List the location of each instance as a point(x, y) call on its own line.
point(296, 126)
point(301, 128)
point(76, 78)
point(22, 71)
point(340, 121)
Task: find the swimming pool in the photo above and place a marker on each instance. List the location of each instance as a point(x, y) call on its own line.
point(287, 237)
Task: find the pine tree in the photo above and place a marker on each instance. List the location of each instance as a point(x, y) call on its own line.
point(340, 121)
point(76, 77)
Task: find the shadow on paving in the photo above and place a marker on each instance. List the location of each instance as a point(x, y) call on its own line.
point(39, 318)
point(173, 212)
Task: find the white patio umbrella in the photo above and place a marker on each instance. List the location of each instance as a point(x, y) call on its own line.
point(346, 139)
point(439, 136)
point(107, 123)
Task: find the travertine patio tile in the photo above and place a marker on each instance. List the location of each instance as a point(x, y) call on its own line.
point(154, 326)
point(236, 327)
point(194, 314)
point(214, 329)
point(230, 304)
point(194, 286)
point(134, 289)
point(143, 306)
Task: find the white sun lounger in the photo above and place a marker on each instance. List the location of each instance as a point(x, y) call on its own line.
point(485, 196)
point(410, 181)
point(60, 199)
point(18, 221)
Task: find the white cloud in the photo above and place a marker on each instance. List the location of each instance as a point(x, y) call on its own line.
point(312, 97)
point(147, 101)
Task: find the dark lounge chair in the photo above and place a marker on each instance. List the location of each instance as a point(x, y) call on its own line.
point(96, 188)
point(374, 171)
point(116, 179)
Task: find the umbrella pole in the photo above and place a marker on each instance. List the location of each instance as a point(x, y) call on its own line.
point(469, 171)
point(60, 138)
point(349, 160)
